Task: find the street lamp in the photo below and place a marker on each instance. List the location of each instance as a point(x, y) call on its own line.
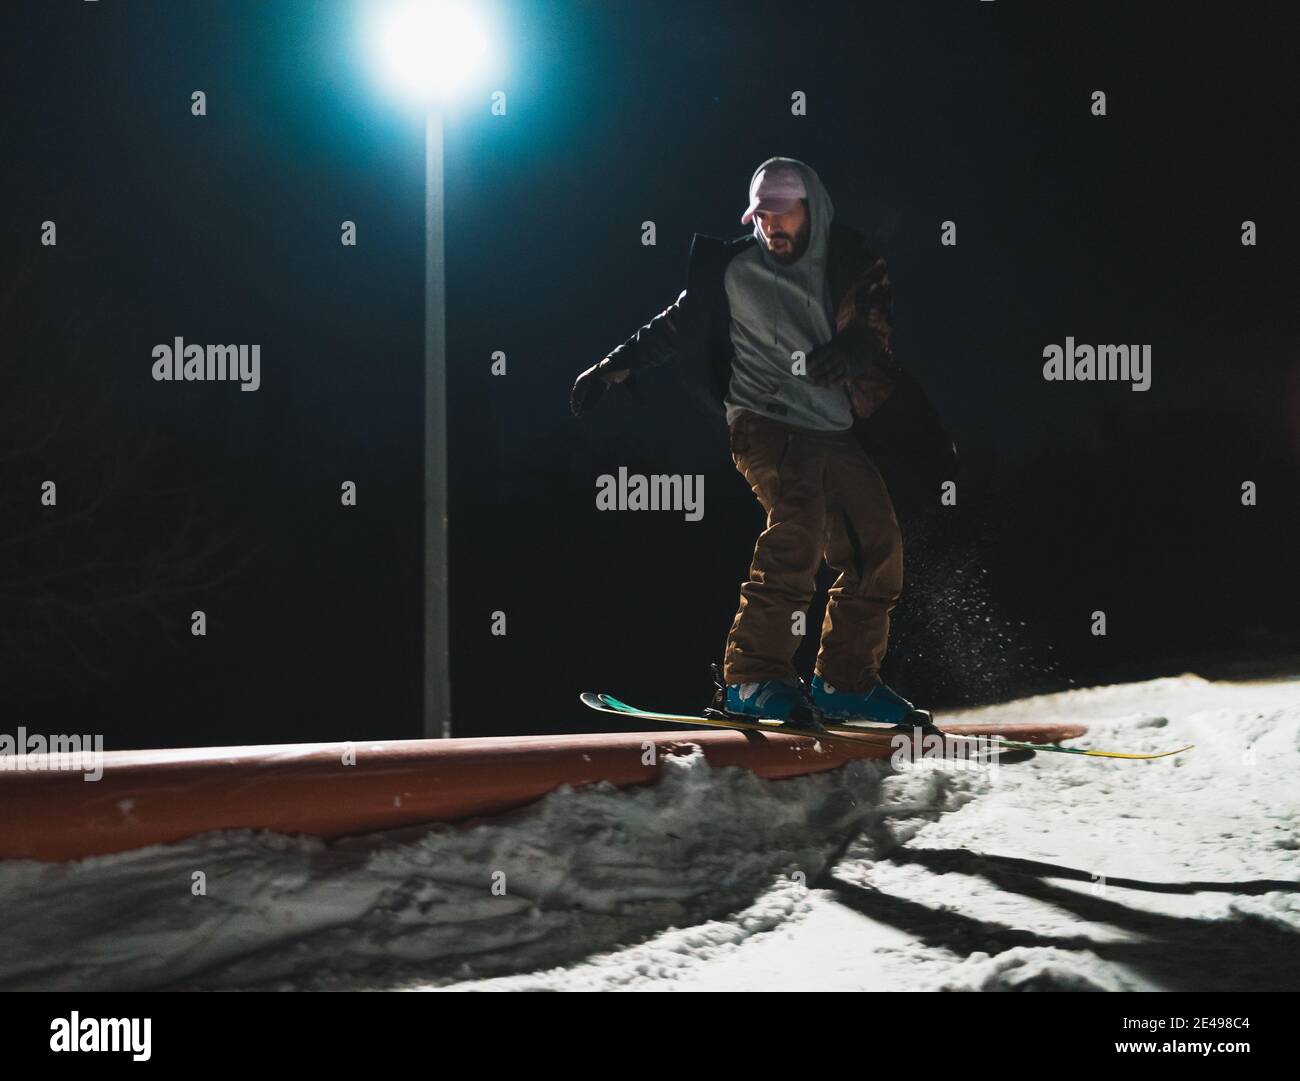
point(429, 48)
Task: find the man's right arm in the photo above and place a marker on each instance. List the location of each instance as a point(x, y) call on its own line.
point(657, 343)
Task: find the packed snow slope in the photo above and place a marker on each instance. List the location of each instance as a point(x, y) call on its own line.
point(1059, 873)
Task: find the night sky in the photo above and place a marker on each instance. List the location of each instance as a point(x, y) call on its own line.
point(225, 229)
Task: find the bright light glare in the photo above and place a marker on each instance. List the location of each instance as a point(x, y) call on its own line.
point(430, 47)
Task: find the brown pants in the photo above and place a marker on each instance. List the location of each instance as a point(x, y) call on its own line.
point(822, 496)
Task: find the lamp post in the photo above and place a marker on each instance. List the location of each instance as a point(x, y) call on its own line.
point(437, 658)
point(429, 48)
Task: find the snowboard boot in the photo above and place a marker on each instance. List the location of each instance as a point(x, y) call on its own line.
point(880, 705)
point(773, 700)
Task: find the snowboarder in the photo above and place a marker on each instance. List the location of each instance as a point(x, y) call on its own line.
point(790, 329)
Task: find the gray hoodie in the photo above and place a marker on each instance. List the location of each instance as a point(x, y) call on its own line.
point(776, 310)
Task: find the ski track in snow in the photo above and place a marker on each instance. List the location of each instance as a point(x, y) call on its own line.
point(1061, 873)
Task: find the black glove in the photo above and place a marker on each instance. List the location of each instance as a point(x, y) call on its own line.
point(591, 385)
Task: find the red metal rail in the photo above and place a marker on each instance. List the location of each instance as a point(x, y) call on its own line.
point(152, 797)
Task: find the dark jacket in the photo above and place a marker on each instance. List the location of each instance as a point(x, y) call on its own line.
point(894, 420)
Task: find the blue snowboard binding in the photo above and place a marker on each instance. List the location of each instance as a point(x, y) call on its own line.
point(880, 705)
point(773, 700)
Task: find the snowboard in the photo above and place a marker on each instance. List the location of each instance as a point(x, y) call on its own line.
point(856, 732)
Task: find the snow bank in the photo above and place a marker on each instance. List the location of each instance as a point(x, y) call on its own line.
point(577, 871)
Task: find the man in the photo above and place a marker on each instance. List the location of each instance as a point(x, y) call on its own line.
point(790, 329)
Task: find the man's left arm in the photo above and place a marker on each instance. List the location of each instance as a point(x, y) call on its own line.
point(860, 356)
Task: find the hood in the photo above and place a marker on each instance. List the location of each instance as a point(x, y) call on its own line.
point(808, 273)
point(820, 213)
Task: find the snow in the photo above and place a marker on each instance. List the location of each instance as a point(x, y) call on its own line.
point(1060, 873)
